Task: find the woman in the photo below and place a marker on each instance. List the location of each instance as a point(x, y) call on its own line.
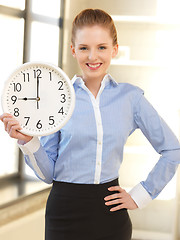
point(83, 158)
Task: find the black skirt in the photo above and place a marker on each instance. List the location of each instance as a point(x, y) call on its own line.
point(78, 212)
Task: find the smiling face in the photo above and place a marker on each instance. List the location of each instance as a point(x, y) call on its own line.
point(93, 48)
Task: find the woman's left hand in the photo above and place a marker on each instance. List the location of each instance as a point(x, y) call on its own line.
point(122, 198)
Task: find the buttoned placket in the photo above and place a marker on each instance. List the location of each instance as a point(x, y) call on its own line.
point(99, 127)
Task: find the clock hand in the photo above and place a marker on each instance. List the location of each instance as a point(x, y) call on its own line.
point(25, 99)
point(38, 92)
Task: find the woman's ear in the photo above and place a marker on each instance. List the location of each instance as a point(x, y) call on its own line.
point(115, 50)
point(73, 51)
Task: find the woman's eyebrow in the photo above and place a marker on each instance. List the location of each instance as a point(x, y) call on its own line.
point(103, 44)
point(82, 44)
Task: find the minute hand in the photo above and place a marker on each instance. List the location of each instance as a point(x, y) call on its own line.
point(37, 92)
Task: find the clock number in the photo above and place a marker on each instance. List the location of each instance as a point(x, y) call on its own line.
point(26, 74)
point(50, 76)
point(39, 124)
point(16, 112)
point(14, 99)
point(61, 111)
point(52, 120)
point(37, 73)
point(17, 87)
point(28, 118)
point(61, 85)
point(63, 98)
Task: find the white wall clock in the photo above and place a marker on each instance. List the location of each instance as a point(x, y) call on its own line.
point(40, 96)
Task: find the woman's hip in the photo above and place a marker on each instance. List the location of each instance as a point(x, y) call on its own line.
point(80, 210)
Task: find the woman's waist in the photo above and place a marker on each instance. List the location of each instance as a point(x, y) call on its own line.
point(83, 190)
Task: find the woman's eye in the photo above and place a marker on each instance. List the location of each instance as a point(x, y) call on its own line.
point(83, 48)
point(102, 47)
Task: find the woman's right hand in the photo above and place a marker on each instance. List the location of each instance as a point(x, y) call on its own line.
point(12, 127)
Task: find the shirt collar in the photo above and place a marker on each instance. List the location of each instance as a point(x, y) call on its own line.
point(107, 79)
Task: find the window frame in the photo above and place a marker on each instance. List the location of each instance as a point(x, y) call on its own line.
point(29, 17)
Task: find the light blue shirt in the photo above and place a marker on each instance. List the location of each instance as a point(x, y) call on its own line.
point(89, 148)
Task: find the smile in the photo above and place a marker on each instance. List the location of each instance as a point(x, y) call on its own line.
point(94, 66)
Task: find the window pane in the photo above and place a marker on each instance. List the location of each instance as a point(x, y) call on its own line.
point(9, 154)
point(20, 4)
point(11, 44)
point(11, 49)
point(46, 7)
point(44, 43)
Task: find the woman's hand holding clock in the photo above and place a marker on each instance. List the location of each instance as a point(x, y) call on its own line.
point(12, 127)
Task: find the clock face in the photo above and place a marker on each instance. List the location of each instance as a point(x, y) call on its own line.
point(40, 96)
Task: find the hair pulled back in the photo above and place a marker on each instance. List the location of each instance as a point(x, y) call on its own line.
point(89, 17)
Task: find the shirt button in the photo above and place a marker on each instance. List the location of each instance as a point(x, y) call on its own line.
point(98, 163)
point(99, 143)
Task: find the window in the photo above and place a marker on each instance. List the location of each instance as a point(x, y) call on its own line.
point(19, 4)
point(31, 30)
point(46, 8)
point(44, 36)
point(11, 49)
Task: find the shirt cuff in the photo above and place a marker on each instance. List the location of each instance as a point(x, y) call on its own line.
point(140, 196)
point(30, 147)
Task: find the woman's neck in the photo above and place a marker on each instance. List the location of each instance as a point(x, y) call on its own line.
point(93, 85)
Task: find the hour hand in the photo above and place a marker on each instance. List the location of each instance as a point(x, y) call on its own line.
point(25, 98)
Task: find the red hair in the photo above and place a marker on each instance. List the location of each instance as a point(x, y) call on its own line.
point(89, 17)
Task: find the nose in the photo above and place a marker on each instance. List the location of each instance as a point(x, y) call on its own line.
point(92, 55)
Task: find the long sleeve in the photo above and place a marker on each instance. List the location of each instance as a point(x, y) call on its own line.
point(41, 156)
point(165, 143)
